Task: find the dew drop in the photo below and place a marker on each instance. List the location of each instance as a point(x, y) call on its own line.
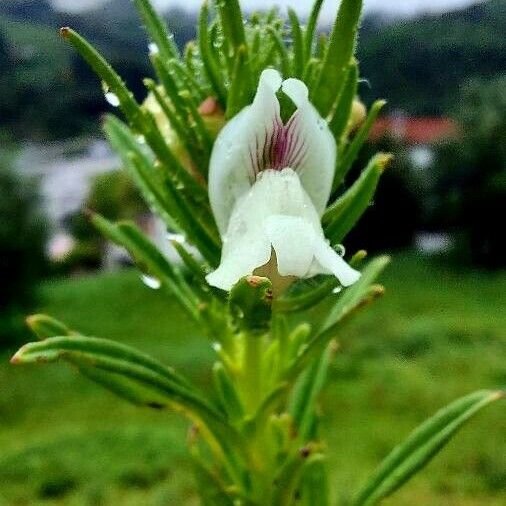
point(141, 139)
point(216, 347)
point(151, 282)
point(153, 48)
point(337, 289)
point(112, 98)
point(340, 250)
point(173, 237)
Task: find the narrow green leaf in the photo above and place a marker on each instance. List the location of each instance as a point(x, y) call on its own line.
point(302, 404)
point(196, 269)
point(280, 48)
point(157, 30)
point(238, 96)
point(344, 213)
point(211, 67)
point(314, 484)
point(353, 295)
point(211, 490)
point(350, 154)
point(311, 27)
point(298, 49)
point(44, 326)
point(198, 126)
point(308, 298)
point(53, 348)
point(105, 72)
point(149, 182)
point(342, 111)
point(363, 292)
point(232, 24)
point(227, 393)
point(288, 477)
point(339, 53)
point(149, 260)
point(269, 405)
point(422, 445)
point(160, 386)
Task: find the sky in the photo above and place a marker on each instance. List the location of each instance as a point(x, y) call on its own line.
point(390, 7)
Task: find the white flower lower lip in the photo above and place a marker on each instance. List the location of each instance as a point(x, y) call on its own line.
point(269, 184)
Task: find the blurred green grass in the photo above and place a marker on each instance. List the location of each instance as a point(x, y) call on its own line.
point(437, 334)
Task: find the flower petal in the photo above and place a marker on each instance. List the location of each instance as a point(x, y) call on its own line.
point(277, 213)
point(293, 241)
point(316, 167)
point(234, 162)
point(333, 263)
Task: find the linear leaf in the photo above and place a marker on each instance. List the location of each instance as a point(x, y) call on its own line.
point(349, 302)
point(149, 260)
point(108, 75)
point(422, 445)
point(337, 56)
point(344, 213)
point(351, 152)
point(157, 29)
point(298, 49)
point(311, 27)
point(146, 374)
point(341, 116)
point(211, 67)
point(306, 391)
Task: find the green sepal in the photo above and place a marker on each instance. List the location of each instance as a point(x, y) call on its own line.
point(337, 56)
point(344, 213)
point(44, 326)
point(250, 304)
point(422, 445)
point(157, 29)
point(227, 393)
point(345, 162)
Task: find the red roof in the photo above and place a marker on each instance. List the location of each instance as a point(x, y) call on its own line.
point(424, 130)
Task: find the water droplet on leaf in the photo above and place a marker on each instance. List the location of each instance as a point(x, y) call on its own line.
point(151, 282)
point(112, 98)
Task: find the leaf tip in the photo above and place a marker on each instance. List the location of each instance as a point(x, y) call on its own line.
point(65, 32)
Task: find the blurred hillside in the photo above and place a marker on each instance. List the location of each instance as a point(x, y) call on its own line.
point(41, 74)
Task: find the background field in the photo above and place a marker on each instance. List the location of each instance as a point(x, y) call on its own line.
point(437, 334)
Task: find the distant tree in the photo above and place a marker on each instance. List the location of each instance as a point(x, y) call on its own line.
point(472, 171)
point(22, 254)
point(395, 214)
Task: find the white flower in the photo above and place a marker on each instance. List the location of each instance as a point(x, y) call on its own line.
point(269, 184)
